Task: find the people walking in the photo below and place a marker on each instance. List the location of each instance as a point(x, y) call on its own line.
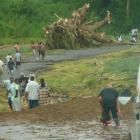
point(41, 50)
point(34, 50)
point(32, 92)
point(11, 67)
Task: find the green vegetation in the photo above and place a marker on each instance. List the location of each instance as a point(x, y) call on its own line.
point(23, 20)
point(87, 77)
point(25, 50)
point(26, 18)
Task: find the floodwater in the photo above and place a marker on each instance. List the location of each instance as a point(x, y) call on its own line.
point(82, 130)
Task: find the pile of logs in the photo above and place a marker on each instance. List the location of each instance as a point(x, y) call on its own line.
point(77, 31)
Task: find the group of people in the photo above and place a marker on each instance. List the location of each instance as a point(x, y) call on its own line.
point(134, 36)
point(38, 50)
point(25, 90)
point(13, 63)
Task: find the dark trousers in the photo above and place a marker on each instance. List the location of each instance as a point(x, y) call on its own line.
point(10, 103)
point(33, 104)
point(107, 109)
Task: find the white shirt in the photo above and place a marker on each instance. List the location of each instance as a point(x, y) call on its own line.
point(13, 89)
point(33, 90)
point(1, 65)
point(8, 58)
point(16, 101)
point(18, 57)
point(134, 39)
point(134, 31)
point(120, 39)
point(8, 84)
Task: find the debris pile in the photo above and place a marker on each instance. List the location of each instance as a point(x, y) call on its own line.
point(76, 32)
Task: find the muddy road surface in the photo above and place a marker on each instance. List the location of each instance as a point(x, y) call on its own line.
point(30, 64)
point(77, 119)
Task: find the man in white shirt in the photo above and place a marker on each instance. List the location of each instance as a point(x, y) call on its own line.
point(8, 58)
point(134, 33)
point(8, 87)
point(15, 96)
point(32, 91)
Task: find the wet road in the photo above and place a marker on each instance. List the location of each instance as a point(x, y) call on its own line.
point(83, 130)
point(31, 64)
point(65, 131)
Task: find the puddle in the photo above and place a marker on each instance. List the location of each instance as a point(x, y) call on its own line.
point(83, 130)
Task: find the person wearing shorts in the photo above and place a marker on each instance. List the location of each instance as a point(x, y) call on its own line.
point(18, 59)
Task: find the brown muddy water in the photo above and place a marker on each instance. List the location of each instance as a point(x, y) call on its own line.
point(77, 119)
point(79, 130)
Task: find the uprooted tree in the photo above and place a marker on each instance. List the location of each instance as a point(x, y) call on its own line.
point(76, 31)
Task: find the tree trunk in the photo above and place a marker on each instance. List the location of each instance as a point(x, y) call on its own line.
point(127, 8)
point(97, 25)
point(101, 37)
point(76, 32)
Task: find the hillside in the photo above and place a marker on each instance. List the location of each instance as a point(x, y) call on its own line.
point(25, 18)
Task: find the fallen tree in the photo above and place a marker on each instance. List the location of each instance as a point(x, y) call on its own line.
point(77, 31)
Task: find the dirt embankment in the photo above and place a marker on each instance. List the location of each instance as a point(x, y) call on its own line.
point(73, 110)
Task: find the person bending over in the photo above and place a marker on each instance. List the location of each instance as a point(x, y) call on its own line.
point(108, 99)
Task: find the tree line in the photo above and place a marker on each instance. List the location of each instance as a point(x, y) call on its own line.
point(26, 18)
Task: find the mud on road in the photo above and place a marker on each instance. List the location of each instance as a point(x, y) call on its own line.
point(75, 119)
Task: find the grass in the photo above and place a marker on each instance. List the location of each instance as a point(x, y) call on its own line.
point(25, 19)
point(25, 50)
point(25, 40)
point(87, 77)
